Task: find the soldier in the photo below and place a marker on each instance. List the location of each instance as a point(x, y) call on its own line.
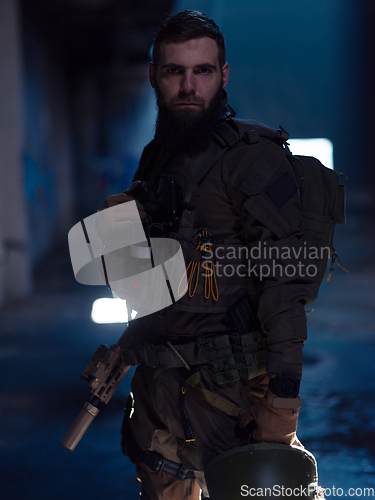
point(226, 191)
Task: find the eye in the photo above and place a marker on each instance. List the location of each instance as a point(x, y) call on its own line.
point(204, 71)
point(174, 71)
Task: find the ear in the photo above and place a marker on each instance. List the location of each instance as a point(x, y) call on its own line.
point(225, 73)
point(151, 75)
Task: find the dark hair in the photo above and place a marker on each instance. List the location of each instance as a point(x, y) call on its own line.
point(188, 25)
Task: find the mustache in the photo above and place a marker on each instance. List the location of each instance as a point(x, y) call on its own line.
point(188, 98)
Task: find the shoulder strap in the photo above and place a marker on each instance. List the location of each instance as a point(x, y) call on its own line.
point(229, 133)
point(162, 158)
point(148, 152)
point(226, 136)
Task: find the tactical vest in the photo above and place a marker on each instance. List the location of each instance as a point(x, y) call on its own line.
point(260, 166)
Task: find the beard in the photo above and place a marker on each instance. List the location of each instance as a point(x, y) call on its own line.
point(188, 130)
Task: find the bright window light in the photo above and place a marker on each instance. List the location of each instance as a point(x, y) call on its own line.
point(320, 148)
point(109, 311)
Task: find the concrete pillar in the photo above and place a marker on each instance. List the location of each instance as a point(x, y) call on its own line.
point(15, 270)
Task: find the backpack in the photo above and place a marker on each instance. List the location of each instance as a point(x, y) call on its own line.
point(322, 203)
point(322, 197)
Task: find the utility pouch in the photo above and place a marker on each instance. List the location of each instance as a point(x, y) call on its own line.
point(250, 353)
point(241, 355)
point(234, 357)
point(249, 344)
point(220, 354)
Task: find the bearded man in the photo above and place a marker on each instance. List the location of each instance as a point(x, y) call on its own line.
point(209, 376)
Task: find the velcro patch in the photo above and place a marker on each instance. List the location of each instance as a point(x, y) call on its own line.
point(282, 190)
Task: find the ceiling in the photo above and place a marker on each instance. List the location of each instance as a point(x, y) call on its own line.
point(87, 34)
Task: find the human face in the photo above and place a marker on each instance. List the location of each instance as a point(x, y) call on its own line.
point(188, 74)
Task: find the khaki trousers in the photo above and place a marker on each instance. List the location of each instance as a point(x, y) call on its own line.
point(160, 397)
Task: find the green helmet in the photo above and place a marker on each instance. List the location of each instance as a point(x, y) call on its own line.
point(267, 470)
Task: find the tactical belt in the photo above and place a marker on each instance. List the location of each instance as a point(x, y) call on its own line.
point(162, 356)
point(231, 356)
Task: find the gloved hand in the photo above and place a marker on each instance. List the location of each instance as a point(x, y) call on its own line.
point(124, 197)
point(112, 226)
point(275, 418)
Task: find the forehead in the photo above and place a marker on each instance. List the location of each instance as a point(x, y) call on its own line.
point(190, 53)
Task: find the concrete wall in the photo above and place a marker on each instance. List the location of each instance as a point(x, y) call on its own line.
point(36, 189)
point(114, 119)
point(47, 155)
point(15, 264)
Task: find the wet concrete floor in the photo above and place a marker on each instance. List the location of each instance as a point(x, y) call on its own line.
point(47, 340)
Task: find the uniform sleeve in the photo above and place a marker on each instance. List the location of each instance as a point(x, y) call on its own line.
point(147, 153)
point(280, 261)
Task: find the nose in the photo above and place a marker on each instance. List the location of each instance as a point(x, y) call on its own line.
point(188, 83)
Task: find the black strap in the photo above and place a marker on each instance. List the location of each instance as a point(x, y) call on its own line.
point(159, 464)
point(242, 316)
point(226, 134)
point(227, 137)
point(154, 460)
point(146, 187)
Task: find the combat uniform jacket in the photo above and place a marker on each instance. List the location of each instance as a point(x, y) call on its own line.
point(235, 204)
